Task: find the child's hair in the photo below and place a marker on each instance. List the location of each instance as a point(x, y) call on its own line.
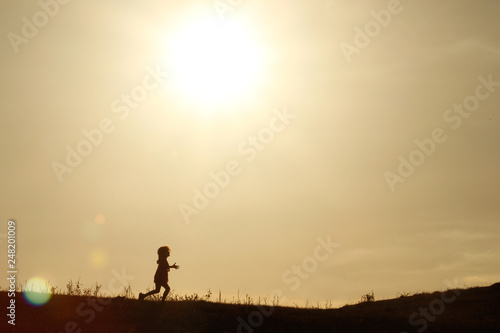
point(163, 251)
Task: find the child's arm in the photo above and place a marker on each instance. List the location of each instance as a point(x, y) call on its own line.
point(174, 266)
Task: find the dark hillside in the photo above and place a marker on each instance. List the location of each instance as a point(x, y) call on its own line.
point(464, 310)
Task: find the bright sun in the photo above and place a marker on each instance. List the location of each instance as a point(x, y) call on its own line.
point(214, 63)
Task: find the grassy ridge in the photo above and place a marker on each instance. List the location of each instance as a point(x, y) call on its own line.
point(464, 310)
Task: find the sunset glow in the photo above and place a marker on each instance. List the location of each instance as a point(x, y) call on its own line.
point(214, 63)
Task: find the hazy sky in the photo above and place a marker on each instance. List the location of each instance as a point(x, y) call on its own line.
point(369, 125)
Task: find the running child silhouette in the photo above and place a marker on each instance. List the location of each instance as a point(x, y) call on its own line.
point(161, 275)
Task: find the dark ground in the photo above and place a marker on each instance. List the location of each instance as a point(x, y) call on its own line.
point(463, 310)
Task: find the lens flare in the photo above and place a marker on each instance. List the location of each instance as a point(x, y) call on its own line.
point(37, 291)
point(98, 258)
point(100, 219)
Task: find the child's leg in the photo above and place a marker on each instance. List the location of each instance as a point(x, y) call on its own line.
point(165, 293)
point(157, 290)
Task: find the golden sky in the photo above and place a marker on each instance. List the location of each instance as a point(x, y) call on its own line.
point(323, 149)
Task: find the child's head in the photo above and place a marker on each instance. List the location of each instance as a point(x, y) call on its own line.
point(163, 252)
